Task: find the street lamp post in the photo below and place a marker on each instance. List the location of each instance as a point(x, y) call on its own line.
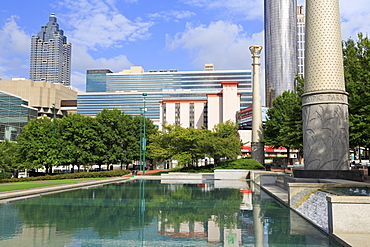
point(143, 139)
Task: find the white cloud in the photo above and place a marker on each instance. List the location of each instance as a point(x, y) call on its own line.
point(98, 24)
point(172, 15)
point(248, 9)
point(355, 18)
point(14, 50)
point(222, 43)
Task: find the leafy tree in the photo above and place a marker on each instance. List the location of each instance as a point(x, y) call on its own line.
point(9, 157)
point(188, 145)
point(81, 141)
point(222, 142)
point(177, 143)
point(37, 144)
point(283, 127)
point(356, 60)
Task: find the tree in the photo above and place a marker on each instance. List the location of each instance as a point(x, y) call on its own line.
point(9, 157)
point(356, 59)
point(82, 144)
point(176, 143)
point(188, 145)
point(37, 144)
point(283, 127)
point(222, 142)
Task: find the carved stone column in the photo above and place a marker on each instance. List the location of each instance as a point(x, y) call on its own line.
point(325, 104)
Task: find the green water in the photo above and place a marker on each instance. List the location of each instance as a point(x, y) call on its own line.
point(148, 213)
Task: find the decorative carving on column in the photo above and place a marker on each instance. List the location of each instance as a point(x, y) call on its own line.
point(324, 103)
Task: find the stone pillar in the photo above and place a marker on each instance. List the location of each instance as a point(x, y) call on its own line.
point(324, 102)
point(257, 146)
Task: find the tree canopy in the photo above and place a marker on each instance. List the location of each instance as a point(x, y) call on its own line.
point(283, 126)
point(111, 138)
point(356, 59)
point(188, 145)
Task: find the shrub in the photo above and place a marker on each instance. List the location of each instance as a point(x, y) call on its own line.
point(249, 164)
point(102, 174)
point(245, 163)
point(4, 175)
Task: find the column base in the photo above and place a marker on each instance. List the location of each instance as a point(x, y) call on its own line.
point(355, 175)
point(258, 151)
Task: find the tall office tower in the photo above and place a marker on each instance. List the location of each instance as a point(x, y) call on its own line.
point(280, 47)
point(50, 54)
point(301, 26)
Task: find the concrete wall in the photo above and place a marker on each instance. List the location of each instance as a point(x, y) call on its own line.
point(349, 214)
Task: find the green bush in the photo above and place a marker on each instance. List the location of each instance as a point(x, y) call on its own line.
point(4, 175)
point(249, 164)
point(102, 174)
point(245, 163)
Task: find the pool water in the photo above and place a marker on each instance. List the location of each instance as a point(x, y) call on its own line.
point(151, 213)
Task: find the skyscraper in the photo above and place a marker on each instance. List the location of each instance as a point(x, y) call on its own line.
point(301, 26)
point(50, 54)
point(280, 47)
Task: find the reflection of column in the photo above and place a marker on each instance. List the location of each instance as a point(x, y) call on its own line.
point(232, 237)
point(214, 234)
point(325, 107)
point(258, 226)
point(257, 145)
point(247, 200)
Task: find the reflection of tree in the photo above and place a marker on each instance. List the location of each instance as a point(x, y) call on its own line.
point(111, 209)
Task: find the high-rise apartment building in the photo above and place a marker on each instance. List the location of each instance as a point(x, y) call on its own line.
point(50, 54)
point(301, 26)
point(280, 47)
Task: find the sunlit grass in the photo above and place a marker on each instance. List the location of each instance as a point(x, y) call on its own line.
point(37, 184)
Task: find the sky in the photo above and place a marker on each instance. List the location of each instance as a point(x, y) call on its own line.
point(160, 34)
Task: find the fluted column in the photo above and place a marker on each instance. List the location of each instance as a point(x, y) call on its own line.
point(257, 146)
point(324, 102)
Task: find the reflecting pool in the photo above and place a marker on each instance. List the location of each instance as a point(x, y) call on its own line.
point(151, 213)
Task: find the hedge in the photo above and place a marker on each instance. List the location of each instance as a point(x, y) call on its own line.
point(101, 174)
point(4, 175)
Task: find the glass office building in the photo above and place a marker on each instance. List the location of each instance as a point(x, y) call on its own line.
point(124, 91)
point(301, 31)
point(14, 115)
point(96, 80)
point(280, 47)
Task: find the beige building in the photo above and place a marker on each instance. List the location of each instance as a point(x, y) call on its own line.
point(41, 95)
point(217, 108)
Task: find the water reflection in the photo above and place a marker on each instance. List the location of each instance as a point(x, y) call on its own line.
point(147, 213)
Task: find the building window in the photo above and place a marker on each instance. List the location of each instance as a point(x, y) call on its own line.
point(205, 114)
point(191, 115)
point(177, 113)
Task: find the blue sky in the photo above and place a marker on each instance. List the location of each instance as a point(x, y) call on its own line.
point(161, 34)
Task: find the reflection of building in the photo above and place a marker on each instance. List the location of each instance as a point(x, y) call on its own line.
point(50, 54)
point(244, 117)
point(280, 47)
point(41, 95)
point(124, 90)
point(14, 115)
point(209, 230)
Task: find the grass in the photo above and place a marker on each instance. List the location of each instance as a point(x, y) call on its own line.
point(37, 184)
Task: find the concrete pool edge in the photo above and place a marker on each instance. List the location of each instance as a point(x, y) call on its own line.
point(285, 188)
point(18, 195)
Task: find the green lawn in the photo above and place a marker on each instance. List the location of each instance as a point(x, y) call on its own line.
point(36, 184)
